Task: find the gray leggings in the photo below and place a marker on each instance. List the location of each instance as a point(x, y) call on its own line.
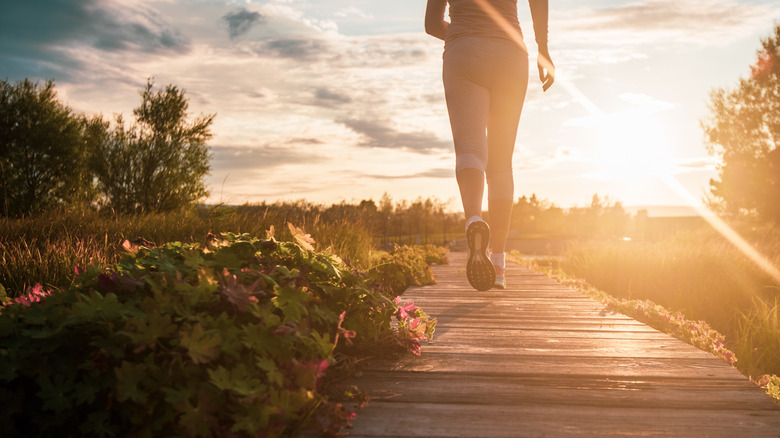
point(485, 81)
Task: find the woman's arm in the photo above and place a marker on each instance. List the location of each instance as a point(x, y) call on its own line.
point(539, 13)
point(434, 18)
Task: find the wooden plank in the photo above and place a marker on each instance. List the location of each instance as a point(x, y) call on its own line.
point(477, 333)
point(524, 363)
point(448, 322)
point(616, 392)
point(383, 419)
point(540, 359)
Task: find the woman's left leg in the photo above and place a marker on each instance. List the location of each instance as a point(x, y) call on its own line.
point(506, 103)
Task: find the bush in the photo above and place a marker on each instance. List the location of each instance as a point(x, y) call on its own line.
point(406, 266)
point(227, 338)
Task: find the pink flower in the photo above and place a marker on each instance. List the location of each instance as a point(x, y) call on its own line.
point(406, 310)
point(33, 294)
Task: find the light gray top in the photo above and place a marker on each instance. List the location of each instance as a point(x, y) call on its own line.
point(468, 18)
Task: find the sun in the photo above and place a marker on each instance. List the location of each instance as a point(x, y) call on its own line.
point(631, 147)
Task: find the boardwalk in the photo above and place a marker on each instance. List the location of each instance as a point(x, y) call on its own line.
point(540, 360)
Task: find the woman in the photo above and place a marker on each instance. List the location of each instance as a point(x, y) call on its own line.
point(485, 74)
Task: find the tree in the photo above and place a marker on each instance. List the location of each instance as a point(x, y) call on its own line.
point(744, 131)
point(159, 163)
point(43, 152)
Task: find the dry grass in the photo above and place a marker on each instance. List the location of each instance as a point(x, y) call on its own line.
point(46, 249)
point(701, 275)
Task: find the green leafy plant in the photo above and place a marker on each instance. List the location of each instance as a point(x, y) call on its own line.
point(406, 265)
point(227, 338)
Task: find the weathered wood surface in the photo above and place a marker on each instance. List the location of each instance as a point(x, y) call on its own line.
point(541, 360)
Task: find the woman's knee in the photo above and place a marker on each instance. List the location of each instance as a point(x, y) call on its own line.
point(500, 182)
point(470, 160)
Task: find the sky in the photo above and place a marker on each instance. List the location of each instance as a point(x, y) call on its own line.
point(342, 100)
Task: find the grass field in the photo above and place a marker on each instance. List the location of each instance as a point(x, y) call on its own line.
point(46, 249)
point(701, 275)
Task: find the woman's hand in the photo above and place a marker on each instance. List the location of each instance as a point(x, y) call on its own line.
point(546, 68)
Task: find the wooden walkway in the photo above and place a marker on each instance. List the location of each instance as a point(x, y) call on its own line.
point(541, 360)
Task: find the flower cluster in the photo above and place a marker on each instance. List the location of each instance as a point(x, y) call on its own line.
point(415, 324)
point(33, 294)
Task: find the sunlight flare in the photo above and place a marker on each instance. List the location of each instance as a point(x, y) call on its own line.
point(723, 228)
point(622, 133)
point(631, 147)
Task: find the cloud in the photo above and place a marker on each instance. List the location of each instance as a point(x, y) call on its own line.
point(104, 25)
point(696, 164)
point(352, 11)
point(326, 97)
point(703, 22)
point(295, 48)
point(379, 133)
point(440, 172)
point(240, 21)
point(249, 158)
point(40, 37)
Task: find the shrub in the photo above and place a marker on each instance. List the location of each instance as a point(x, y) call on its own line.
point(405, 266)
point(227, 338)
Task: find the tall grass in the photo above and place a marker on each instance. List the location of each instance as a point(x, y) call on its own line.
point(45, 249)
point(701, 275)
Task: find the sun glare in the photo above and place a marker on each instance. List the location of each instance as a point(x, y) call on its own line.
point(631, 148)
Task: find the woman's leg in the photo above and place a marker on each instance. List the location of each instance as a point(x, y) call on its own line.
point(506, 103)
point(471, 184)
point(468, 104)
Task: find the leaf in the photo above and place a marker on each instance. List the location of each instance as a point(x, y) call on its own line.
point(238, 294)
point(193, 258)
point(272, 373)
point(199, 420)
point(148, 331)
point(130, 247)
point(55, 393)
point(128, 380)
point(97, 424)
point(237, 380)
point(302, 238)
point(201, 346)
point(98, 306)
point(290, 302)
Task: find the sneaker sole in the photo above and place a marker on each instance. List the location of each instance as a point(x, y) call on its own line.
point(479, 269)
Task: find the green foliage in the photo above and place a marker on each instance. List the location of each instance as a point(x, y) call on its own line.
point(744, 131)
point(227, 338)
point(159, 163)
point(42, 150)
point(771, 384)
point(404, 266)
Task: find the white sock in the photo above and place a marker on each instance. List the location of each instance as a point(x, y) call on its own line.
point(471, 220)
point(498, 259)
